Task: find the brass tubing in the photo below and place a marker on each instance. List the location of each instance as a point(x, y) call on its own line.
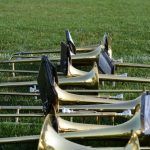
point(123, 79)
point(19, 139)
point(85, 58)
point(127, 129)
point(36, 138)
point(73, 91)
point(78, 114)
point(90, 56)
point(116, 131)
point(22, 115)
point(79, 49)
point(21, 61)
point(82, 80)
point(123, 105)
point(19, 94)
point(99, 107)
point(105, 91)
point(131, 65)
point(24, 71)
point(19, 71)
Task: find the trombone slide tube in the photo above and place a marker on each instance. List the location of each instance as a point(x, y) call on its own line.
point(107, 77)
point(131, 65)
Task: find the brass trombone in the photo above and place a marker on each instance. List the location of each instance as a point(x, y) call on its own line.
point(70, 42)
point(51, 94)
point(50, 128)
point(99, 55)
point(105, 64)
point(138, 124)
point(50, 139)
point(90, 79)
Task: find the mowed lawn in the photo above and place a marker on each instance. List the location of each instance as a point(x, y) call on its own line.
point(30, 24)
point(40, 24)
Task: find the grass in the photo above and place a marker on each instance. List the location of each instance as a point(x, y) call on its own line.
point(27, 25)
point(30, 25)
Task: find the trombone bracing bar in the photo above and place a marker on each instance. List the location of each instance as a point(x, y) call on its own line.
point(19, 139)
point(123, 105)
point(89, 79)
point(73, 114)
point(131, 65)
point(48, 131)
point(36, 138)
point(69, 40)
point(99, 107)
point(78, 49)
point(97, 55)
point(73, 91)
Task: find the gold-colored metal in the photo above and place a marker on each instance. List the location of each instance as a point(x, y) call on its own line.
point(131, 145)
point(76, 72)
point(19, 71)
point(73, 114)
point(78, 49)
point(106, 40)
point(19, 139)
point(85, 58)
point(122, 105)
point(131, 65)
point(89, 79)
point(133, 126)
point(72, 71)
point(123, 79)
point(49, 139)
point(65, 125)
point(121, 130)
point(65, 97)
point(90, 56)
point(73, 91)
point(130, 104)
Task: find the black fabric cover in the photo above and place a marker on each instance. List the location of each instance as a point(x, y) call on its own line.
point(70, 42)
point(46, 81)
point(65, 57)
point(105, 42)
point(105, 64)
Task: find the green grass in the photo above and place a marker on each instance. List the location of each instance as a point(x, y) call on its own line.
point(29, 24)
point(39, 24)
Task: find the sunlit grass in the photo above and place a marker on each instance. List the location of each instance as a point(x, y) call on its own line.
point(38, 25)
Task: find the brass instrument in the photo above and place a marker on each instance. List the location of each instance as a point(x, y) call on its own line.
point(68, 36)
point(54, 141)
point(50, 93)
point(49, 139)
point(105, 64)
point(121, 130)
point(138, 124)
point(103, 44)
point(117, 107)
point(66, 97)
point(72, 91)
point(90, 79)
